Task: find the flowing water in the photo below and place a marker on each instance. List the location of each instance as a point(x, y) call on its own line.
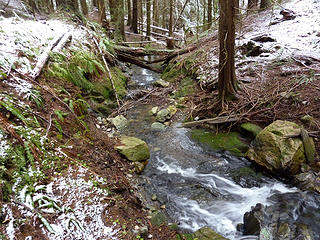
point(200, 187)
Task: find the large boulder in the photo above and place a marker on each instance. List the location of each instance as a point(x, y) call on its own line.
point(133, 149)
point(274, 149)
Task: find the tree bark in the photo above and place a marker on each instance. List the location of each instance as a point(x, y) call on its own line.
point(119, 12)
point(135, 16)
point(148, 18)
point(227, 82)
point(129, 13)
point(102, 10)
point(155, 14)
point(140, 14)
point(171, 18)
point(209, 14)
point(84, 7)
point(204, 22)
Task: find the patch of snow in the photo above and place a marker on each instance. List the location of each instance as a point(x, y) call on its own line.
point(4, 146)
point(26, 37)
point(21, 86)
point(10, 228)
point(79, 210)
point(294, 37)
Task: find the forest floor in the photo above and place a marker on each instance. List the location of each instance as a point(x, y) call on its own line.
point(87, 175)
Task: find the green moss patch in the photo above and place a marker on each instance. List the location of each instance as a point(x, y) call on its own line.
point(222, 141)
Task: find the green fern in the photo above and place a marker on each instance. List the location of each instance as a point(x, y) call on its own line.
point(80, 68)
point(16, 112)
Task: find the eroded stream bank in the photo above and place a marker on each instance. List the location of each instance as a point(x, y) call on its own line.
point(196, 186)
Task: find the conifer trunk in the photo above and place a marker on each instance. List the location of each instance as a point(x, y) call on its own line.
point(227, 82)
point(129, 13)
point(148, 18)
point(135, 16)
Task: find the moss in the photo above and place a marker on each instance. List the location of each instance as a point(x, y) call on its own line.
point(184, 236)
point(251, 130)
point(186, 88)
point(223, 141)
point(120, 82)
point(172, 72)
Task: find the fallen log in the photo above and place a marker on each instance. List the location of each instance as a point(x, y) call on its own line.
point(141, 51)
point(44, 57)
point(66, 38)
point(174, 54)
point(217, 120)
point(130, 59)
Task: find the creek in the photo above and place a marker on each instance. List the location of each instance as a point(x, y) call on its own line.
point(201, 187)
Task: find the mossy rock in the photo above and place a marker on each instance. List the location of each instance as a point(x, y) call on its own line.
point(222, 141)
point(158, 218)
point(163, 115)
point(119, 122)
point(207, 233)
point(249, 129)
point(275, 151)
point(134, 149)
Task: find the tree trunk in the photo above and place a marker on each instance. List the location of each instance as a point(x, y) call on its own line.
point(102, 10)
point(155, 14)
point(135, 16)
point(84, 7)
point(148, 18)
point(129, 13)
point(113, 10)
point(119, 12)
point(204, 22)
point(140, 14)
point(227, 82)
point(171, 18)
point(164, 13)
point(209, 14)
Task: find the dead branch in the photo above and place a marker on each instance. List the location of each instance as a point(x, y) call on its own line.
point(216, 120)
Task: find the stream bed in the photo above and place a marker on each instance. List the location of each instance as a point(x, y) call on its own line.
point(201, 187)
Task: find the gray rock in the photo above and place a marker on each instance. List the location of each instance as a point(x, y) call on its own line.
point(119, 122)
point(156, 126)
point(161, 83)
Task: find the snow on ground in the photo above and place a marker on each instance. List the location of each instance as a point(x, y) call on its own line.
point(74, 204)
point(300, 36)
point(3, 145)
point(21, 39)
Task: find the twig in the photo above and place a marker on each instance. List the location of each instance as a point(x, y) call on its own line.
point(49, 125)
